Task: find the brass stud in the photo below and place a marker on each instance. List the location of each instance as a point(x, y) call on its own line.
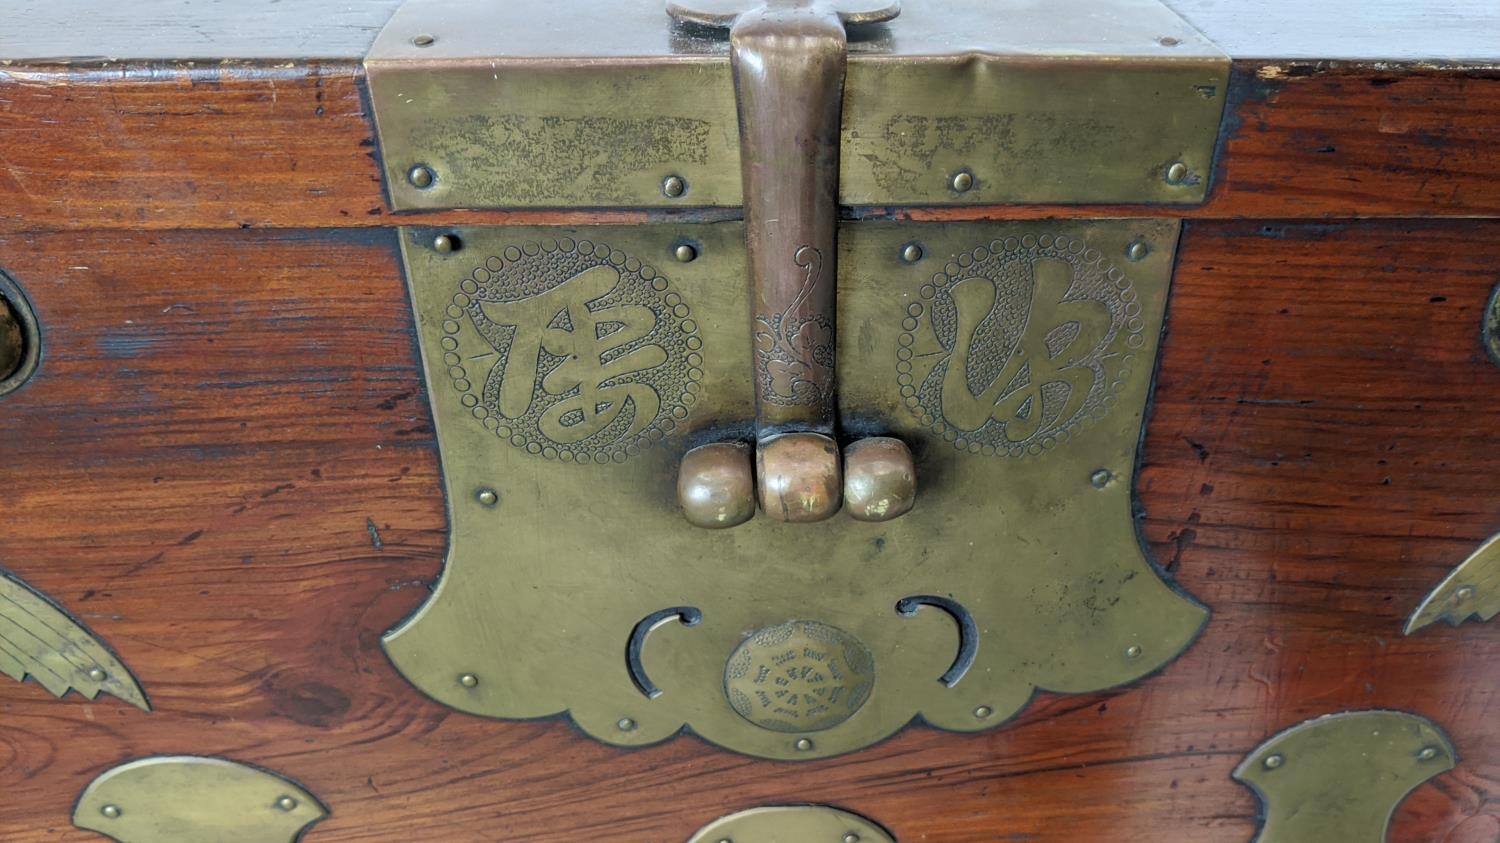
point(1428, 753)
point(421, 176)
point(685, 253)
point(1137, 250)
point(112, 812)
point(1169, 41)
point(963, 181)
point(287, 803)
point(803, 745)
point(468, 680)
point(880, 479)
point(488, 497)
point(725, 840)
point(912, 253)
point(97, 674)
point(983, 712)
point(625, 724)
point(716, 485)
point(1133, 651)
point(1273, 761)
point(424, 40)
point(1177, 174)
point(445, 244)
point(851, 837)
point(1101, 478)
point(674, 187)
point(1464, 594)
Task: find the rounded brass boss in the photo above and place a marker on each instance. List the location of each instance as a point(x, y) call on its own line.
point(800, 676)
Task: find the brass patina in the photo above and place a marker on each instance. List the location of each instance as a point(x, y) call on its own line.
point(794, 824)
point(482, 104)
point(570, 371)
point(187, 799)
point(38, 640)
point(1341, 777)
point(20, 341)
point(1492, 327)
point(1471, 591)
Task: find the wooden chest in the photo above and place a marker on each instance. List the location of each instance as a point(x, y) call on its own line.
point(1133, 364)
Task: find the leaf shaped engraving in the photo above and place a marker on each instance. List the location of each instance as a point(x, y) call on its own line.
point(38, 640)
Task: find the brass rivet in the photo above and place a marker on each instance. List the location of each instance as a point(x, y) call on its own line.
point(625, 724)
point(488, 497)
point(1464, 593)
point(1169, 41)
point(851, 837)
point(803, 744)
point(674, 186)
point(685, 253)
point(1177, 173)
point(97, 674)
point(287, 803)
point(912, 253)
point(424, 40)
point(1272, 762)
point(1101, 478)
point(983, 712)
point(1133, 651)
point(963, 181)
point(725, 840)
point(111, 811)
point(444, 244)
point(468, 680)
point(1428, 753)
point(421, 176)
point(1137, 250)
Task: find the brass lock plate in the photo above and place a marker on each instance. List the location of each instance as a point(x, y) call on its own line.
point(571, 103)
point(569, 370)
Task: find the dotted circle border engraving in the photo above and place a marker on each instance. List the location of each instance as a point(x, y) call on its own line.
point(1085, 260)
point(675, 315)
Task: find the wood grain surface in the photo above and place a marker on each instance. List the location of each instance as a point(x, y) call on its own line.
point(172, 146)
point(225, 466)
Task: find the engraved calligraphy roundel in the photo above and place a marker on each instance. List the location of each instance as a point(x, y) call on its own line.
point(800, 676)
point(1015, 346)
point(589, 356)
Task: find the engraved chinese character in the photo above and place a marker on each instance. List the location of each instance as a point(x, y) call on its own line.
point(1043, 383)
point(594, 342)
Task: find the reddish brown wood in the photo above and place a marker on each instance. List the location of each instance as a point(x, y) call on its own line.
point(168, 146)
point(225, 466)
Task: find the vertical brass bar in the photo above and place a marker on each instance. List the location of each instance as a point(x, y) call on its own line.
point(789, 59)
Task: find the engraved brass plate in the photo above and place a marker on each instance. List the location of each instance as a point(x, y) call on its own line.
point(188, 799)
point(794, 824)
point(1341, 777)
point(511, 105)
point(1472, 590)
point(40, 641)
point(570, 369)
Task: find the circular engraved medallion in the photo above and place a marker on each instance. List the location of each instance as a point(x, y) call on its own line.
point(588, 355)
point(800, 676)
point(1016, 345)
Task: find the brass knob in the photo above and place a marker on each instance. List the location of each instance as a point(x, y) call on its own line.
point(880, 479)
point(715, 485)
point(800, 477)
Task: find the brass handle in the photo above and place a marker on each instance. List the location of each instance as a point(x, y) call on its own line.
point(789, 59)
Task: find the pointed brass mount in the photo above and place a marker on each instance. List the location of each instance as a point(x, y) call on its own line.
point(38, 640)
point(794, 824)
point(1341, 777)
point(1472, 590)
point(190, 799)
